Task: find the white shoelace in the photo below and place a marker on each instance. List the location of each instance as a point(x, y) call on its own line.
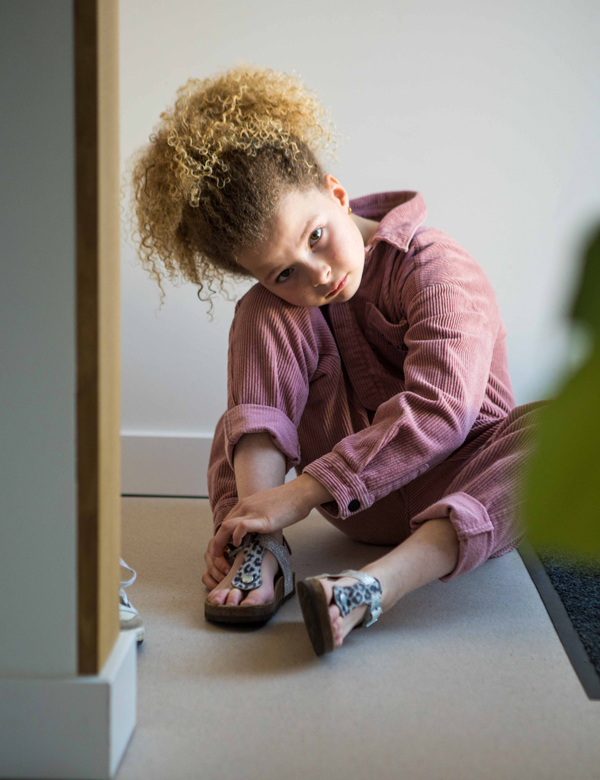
point(125, 584)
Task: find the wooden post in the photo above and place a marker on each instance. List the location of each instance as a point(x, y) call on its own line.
point(98, 328)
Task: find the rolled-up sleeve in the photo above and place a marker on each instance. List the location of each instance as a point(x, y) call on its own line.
point(254, 418)
point(450, 340)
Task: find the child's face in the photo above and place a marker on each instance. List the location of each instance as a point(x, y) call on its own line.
point(314, 244)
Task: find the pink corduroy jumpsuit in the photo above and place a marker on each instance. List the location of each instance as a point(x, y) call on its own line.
point(398, 400)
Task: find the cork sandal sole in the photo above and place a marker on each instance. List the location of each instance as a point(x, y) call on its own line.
point(315, 610)
point(255, 613)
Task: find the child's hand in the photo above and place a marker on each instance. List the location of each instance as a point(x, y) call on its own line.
point(216, 570)
point(264, 512)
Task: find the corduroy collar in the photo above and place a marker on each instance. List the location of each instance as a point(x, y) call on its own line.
point(400, 214)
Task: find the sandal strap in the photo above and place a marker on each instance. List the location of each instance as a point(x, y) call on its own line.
point(230, 552)
point(249, 575)
point(366, 591)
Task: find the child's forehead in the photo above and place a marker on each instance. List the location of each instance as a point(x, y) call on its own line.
point(289, 230)
point(297, 207)
point(310, 195)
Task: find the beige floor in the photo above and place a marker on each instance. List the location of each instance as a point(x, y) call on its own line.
point(461, 680)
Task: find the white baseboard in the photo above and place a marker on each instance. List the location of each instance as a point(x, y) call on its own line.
point(167, 465)
point(164, 465)
point(73, 728)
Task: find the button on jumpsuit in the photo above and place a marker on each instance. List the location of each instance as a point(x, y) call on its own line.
point(398, 400)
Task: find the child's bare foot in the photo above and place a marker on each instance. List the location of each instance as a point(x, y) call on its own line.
point(343, 625)
point(427, 554)
point(225, 594)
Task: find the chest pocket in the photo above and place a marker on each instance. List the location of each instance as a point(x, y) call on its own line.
point(386, 338)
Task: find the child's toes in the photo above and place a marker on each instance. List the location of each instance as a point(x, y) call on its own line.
point(217, 596)
point(235, 596)
point(254, 597)
point(334, 612)
point(220, 597)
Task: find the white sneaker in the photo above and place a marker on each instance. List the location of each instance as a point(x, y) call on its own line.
point(128, 614)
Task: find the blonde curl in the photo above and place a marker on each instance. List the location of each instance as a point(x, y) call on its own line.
point(207, 185)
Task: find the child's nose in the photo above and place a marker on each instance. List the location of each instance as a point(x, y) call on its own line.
point(321, 275)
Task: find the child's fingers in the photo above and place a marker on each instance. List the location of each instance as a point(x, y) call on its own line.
point(222, 564)
point(218, 567)
point(216, 546)
point(214, 573)
point(209, 581)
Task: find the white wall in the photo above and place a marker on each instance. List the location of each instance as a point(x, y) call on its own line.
point(491, 110)
point(38, 512)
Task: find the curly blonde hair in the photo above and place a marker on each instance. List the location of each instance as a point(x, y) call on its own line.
point(207, 185)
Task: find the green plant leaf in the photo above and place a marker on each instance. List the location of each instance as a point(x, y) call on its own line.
point(562, 495)
point(561, 503)
point(586, 306)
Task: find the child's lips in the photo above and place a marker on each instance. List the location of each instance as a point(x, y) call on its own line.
point(338, 288)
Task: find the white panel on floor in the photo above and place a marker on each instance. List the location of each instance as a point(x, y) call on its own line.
point(72, 728)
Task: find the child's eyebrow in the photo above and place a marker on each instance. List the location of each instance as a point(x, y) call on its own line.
point(281, 266)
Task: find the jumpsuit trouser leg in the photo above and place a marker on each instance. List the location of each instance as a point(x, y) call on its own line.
point(484, 499)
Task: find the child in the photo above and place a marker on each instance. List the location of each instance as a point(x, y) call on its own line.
point(370, 355)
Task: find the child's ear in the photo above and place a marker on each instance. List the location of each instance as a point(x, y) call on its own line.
point(336, 190)
point(331, 182)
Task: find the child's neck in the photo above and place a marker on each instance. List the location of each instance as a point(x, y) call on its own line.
point(366, 226)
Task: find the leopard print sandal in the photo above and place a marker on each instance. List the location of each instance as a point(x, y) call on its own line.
point(249, 577)
point(315, 606)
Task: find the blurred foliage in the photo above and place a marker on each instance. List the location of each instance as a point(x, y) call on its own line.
point(562, 476)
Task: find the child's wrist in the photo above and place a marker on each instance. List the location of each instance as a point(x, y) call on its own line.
point(313, 491)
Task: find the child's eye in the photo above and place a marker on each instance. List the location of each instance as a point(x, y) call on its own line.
point(277, 281)
point(316, 230)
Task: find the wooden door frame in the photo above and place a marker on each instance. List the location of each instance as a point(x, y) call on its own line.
point(98, 328)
